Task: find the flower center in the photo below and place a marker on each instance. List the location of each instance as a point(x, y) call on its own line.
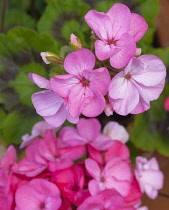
point(85, 82)
point(109, 42)
point(128, 76)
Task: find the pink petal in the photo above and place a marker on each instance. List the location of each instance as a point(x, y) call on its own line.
point(58, 118)
point(104, 50)
point(92, 168)
point(40, 127)
point(70, 136)
point(89, 129)
point(116, 132)
point(120, 17)
point(100, 24)
point(127, 48)
point(9, 159)
point(99, 79)
point(39, 81)
point(118, 86)
point(166, 104)
point(95, 106)
point(138, 27)
point(124, 106)
point(78, 61)
point(102, 142)
point(61, 84)
point(73, 152)
point(117, 150)
point(46, 103)
point(154, 71)
point(134, 67)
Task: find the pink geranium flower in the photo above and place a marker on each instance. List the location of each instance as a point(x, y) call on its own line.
point(142, 81)
point(87, 132)
point(118, 30)
point(48, 104)
point(38, 194)
point(84, 87)
point(116, 175)
point(71, 182)
point(107, 199)
point(48, 153)
point(149, 176)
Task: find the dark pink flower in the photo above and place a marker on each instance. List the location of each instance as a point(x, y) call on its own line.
point(87, 132)
point(38, 194)
point(107, 199)
point(116, 175)
point(83, 87)
point(166, 104)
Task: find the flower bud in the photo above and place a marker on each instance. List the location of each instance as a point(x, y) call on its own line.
point(49, 57)
point(75, 42)
point(138, 52)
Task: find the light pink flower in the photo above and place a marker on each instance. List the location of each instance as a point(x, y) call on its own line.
point(142, 81)
point(87, 132)
point(38, 130)
point(48, 104)
point(107, 199)
point(115, 175)
point(149, 176)
point(166, 104)
point(38, 194)
point(84, 87)
point(116, 131)
point(118, 30)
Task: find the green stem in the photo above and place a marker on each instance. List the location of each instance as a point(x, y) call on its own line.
point(3, 12)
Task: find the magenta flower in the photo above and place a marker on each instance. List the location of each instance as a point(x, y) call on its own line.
point(84, 87)
point(38, 194)
point(166, 104)
point(87, 132)
point(107, 199)
point(142, 81)
point(48, 104)
point(71, 183)
point(116, 175)
point(149, 176)
point(118, 30)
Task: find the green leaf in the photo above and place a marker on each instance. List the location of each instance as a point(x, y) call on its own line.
point(16, 17)
point(104, 6)
point(15, 126)
point(57, 14)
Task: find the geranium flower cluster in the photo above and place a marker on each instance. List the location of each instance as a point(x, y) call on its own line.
point(92, 84)
point(81, 169)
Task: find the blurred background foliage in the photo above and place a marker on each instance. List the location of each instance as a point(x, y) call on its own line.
point(33, 26)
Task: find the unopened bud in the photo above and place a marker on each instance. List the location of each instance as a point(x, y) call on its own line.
point(49, 57)
point(75, 42)
point(138, 52)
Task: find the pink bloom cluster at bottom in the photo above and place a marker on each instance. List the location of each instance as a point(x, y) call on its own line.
point(62, 173)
